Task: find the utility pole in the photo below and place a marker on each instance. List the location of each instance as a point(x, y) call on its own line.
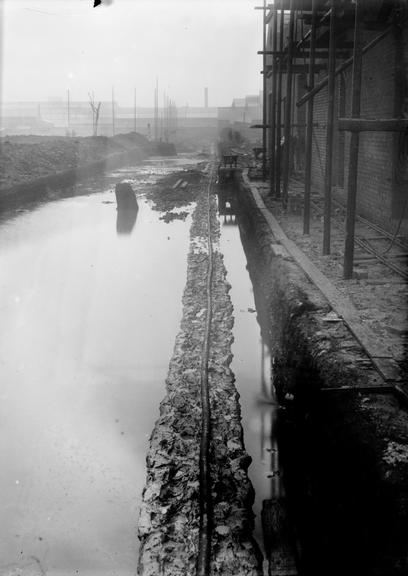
point(113, 112)
point(134, 111)
point(156, 111)
point(68, 110)
point(164, 115)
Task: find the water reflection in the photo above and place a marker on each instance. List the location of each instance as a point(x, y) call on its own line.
point(269, 415)
point(229, 220)
point(261, 412)
point(82, 371)
point(126, 220)
point(252, 368)
point(226, 200)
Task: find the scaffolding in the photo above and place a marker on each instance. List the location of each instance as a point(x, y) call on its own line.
point(310, 43)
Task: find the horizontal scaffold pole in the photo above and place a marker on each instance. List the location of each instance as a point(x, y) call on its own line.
point(373, 125)
point(295, 125)
point(323, 54)
point(296, 69)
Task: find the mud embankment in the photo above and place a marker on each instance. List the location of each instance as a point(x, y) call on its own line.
point(344, 454)
point(35, 167)
point(169, 518)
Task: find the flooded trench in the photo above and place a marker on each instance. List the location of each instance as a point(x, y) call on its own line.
point(82, 372)
point(83, 369)
point(251, 365)
point(260, 411)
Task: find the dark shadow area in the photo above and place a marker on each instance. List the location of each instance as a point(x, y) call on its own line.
point(347, 513)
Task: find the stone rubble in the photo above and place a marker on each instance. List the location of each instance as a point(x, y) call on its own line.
point(169, 516)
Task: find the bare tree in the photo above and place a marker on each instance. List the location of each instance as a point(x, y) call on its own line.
point(95, 113)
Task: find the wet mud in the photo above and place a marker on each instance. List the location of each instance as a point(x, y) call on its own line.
point(175, 191)
point(169, 517)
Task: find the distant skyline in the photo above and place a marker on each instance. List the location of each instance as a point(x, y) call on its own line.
point(50, 46)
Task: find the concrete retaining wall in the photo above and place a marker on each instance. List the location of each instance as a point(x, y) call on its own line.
point(344, 454)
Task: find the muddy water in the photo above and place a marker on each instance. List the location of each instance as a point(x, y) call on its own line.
point(252, 368)
point(82, 371)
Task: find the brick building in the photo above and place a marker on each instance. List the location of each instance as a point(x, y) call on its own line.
point(382, 35)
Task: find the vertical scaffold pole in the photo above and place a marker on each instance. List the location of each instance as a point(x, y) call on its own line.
point(309, 127)
point(273, 105)
point(330, 131)
point(264, 99)
point(278, 159)
point(288, 107)
point(354, 143)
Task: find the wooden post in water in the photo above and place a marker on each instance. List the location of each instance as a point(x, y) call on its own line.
point(330, 131)
point(288, 108)
point(354, 144)
point(309, 126)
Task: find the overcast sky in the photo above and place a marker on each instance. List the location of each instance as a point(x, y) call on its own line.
point(51, 45)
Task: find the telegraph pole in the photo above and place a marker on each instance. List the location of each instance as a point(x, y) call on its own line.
point(68, 110)
point(134, 111)
point(156, 111)
point(113, 112)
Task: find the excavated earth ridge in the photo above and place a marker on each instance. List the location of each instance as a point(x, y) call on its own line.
point(169, 516)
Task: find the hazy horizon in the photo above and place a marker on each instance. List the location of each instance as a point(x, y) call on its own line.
point(50, 46)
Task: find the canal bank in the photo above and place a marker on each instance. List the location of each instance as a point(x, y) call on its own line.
point(344, 440)
point(37, 168)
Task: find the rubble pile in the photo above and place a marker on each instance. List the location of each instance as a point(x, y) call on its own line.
point(169, 517)
point(175, 191)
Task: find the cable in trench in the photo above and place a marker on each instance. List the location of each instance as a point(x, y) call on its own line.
point(205, 529)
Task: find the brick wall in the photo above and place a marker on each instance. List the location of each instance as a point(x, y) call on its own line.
point(377, 153)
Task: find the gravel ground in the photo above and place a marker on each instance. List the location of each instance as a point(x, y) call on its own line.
point(381, 297)
point(169, 517)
